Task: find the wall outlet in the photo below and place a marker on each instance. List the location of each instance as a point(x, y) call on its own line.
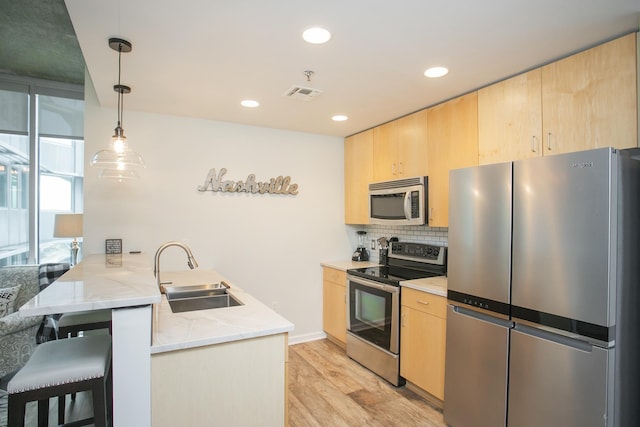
point(373, 243)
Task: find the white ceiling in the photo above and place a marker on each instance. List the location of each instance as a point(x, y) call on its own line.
point(200, 58)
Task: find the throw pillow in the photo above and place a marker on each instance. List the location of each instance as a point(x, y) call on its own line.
point(7, 297)
point(48, 273)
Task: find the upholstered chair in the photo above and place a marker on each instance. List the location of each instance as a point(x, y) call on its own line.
point(18, 284)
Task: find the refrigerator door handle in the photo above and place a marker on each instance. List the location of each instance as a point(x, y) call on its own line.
point(482, 316)
point(553, 337)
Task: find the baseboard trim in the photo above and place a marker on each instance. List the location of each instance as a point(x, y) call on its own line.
point(433, 401)
point(336, 341)
point(299, 339)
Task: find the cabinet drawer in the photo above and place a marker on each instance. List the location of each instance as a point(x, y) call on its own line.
point(336, 276)
point(424, 302)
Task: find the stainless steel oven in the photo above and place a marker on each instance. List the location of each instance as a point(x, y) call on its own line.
point(373, 312)
point(373, 301)
point(372, 326)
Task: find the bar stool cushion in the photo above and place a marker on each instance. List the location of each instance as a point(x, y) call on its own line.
point(64, 361)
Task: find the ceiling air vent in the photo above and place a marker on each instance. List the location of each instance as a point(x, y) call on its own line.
point(301, 93)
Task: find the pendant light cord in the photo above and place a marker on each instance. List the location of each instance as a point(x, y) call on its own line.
point(120, 97)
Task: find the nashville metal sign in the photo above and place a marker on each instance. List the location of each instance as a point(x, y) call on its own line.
point(279, 185)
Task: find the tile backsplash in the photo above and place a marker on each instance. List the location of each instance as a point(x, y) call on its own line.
point(405, 233)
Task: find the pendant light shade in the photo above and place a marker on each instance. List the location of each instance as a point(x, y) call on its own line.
point(113, 159)
point(119, 161)
point(119, 174)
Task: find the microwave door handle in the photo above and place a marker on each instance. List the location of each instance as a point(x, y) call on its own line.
point(407, 205)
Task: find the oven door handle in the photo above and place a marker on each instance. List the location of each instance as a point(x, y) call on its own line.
point(372, 284)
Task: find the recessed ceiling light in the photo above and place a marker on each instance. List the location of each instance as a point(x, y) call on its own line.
point(249, 103)
point(339, 118)
point(316, 35)
point(434, 72)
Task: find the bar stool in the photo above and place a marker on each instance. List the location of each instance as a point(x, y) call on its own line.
point(72, 323)
point(57, 368)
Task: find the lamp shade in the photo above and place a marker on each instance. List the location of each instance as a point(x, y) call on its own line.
point(68, 225)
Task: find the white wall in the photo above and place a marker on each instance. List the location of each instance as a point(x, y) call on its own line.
point(270, 245)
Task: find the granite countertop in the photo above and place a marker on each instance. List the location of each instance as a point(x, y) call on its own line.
point(345, 265)
point(177, 331)
point(433, 285)
point(98, 282)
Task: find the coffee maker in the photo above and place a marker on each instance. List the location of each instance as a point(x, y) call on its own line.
point(361, 253)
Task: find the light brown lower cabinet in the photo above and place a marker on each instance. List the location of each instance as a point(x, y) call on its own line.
point(422, 341)
point(334, 305)
point(239, 383)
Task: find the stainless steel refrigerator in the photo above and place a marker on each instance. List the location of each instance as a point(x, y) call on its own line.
point(543, 289)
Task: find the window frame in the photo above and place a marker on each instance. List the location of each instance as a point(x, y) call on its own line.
point(34, 87)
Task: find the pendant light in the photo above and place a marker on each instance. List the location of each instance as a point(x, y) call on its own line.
point(119, 161)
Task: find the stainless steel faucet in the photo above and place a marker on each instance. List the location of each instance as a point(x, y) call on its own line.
point(191, 261)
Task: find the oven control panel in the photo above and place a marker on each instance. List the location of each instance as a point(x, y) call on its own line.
point(420, 252)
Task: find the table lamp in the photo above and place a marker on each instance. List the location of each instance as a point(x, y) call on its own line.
point(69, 225)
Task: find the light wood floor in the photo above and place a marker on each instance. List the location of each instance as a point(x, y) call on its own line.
point(327, 388)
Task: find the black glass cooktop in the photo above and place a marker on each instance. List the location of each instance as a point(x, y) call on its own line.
point(390, 275)
point(406, 261)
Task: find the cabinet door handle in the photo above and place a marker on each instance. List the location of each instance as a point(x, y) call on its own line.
point(423, 302)
point(393, 168)
point(402, 322)
point(401, 168)
point(534, 146)
point(549, 141)
point(430, 214)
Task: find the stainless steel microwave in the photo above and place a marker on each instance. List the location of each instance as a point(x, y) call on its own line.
point(399, 202)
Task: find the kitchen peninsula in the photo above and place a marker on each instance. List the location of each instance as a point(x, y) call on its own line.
point(226, 365)
point(160, 355)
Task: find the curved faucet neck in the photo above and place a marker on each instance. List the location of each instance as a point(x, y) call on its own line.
point(191, 261)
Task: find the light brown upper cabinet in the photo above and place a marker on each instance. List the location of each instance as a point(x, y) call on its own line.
point(385, 151)
point(358, 173)
point(510, 119)
point(412, 145)
point(585, 101)
point(400, 148)
point(452, 137)
point(589, 99)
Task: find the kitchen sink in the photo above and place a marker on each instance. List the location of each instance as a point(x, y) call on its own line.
point(200, 297)
point(207, 289)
